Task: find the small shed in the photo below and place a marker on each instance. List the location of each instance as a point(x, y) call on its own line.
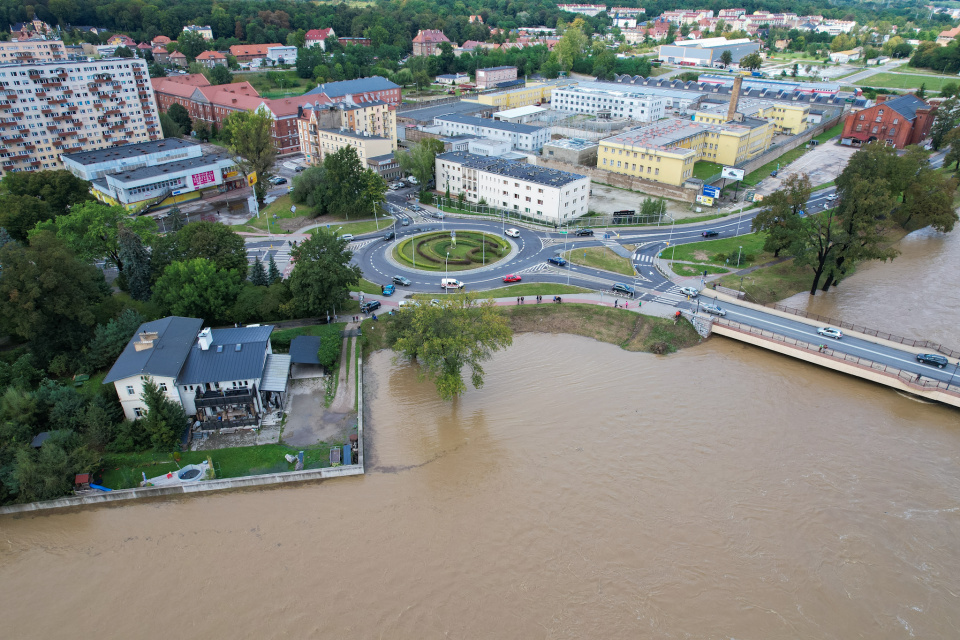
point(39, 439)
point(303, 357)
point(81, 482)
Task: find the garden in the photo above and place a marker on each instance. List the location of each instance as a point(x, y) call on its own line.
point(440, 251)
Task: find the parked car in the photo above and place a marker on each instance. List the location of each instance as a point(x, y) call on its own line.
point(511, 278)
point(299, 168)
point(710, 233)
point(369, 305)
point(830, 332)
point(408, 303)
point(278, 180)
point(513, 233)
point(348, 237)
point(714, 309)
point(401, 280)
point(389, 290)
point(689, 291)
point(416, 207)
point(557, 260)
point(773, 174)
point(932, 359)
point(390, 235)
point(405, 223)
point(619, 287)
point(584, 232)
point(411, 180)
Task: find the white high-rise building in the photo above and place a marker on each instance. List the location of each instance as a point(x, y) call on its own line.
point(609, 101)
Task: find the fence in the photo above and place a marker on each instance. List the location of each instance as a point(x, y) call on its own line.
point(494, 213)
point(908, 377)
point(907, 342)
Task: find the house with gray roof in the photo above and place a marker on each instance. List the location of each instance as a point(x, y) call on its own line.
point(221, 377)
point(520, 136)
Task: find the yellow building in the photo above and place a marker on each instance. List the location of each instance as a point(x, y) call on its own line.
point(317, 143)
point(373, 118)
point(523, 96)
point(666, 151)
point(369, 127)
point(789, 119)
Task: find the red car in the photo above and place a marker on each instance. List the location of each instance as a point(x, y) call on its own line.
point(512, 278)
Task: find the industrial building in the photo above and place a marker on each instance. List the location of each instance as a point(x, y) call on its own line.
point(572, 151)
point(898, 121)
point(605, 100)
point(521, 136)
point(706, 52)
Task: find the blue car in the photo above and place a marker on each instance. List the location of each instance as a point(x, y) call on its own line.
point(389, 289)
point(557, 260)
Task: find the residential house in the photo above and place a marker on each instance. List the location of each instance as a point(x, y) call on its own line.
point(357, 42)
point(178, 59)
point(160, 55)
point(359, 90)
point(250, 52)
point(427, 42)
point(386, 166)
point(160, 41)
point(210, 59)
point(318, 37)
point(282, 55)
point(453, 78)
point(946, 37)
point(121, 40)
point(204, 32)
point(898, 121)
point(491, 77)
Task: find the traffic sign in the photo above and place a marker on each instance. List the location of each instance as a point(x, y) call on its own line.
point(713, 192)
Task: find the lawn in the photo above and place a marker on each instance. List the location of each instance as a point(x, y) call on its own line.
point(439, 252)
point(720, 251)
point(704, 169)
point(600, 258)
point(773, 283)
point(905, 81)
point(275, 84)
point(125, 470)
point(532, 289)
point(357, 228)
point(755, 177)
point(696, 269)
point(279, 208)
point(280, 338)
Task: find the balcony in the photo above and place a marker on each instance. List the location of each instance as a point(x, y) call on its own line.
point(243, 395)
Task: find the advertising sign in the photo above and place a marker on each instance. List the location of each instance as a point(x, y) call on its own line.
point(713, 192)
point(732, 173)
point(202, 178)
point(706, 200)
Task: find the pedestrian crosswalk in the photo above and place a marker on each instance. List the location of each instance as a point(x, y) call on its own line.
point(643, 258)
point(671, 296)
point(360, 244)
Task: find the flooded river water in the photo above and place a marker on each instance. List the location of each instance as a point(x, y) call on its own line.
point(722, 492)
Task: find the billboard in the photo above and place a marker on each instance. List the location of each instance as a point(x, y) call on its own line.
point(705, 200)
point(732, 173)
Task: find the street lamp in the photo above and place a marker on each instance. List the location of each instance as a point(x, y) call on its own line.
point(953, 374)
point(739, 253)
point(446, 271)
point(672, 225)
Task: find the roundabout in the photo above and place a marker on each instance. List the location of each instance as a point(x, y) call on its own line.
point(450, 251)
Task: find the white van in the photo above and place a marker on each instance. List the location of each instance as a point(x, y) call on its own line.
point(450, 283)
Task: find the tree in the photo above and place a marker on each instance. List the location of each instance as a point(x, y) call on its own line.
point(922, 91)
point(191, 44)
point(350, 188)
point(322, 274)
point(165, 419)
point(726, 58)
point(157, 71)
point(179, 114)
point(122, 52)
point(59, 189)
point(45, 292)
point(92, 230)
point(953, 154)
point(111, 338)
point(752, 61)
point(571, 46)
point(197, 288)
point(175, 218)
point(210, 240)
point(273, 273)
point(169, 128)
point(461, 332)
point(220, 75)
point(258, 275)
point(778, 219)
point(330, 343)
point(20, 214)
point(421, 160)
point(48, 473)
point(136, 261)
point(946, 119)
point(251, 141)
point(202, 130)
point(297, 39)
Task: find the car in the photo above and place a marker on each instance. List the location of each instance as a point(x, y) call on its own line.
point(584, 232)
point(832, 197)
point(405, 223)
point(401, 280)
point(278, 180)
point(714, 309)
point(348, 237)
point(369, 305)
point(389, 289)
point(299, 168)
point(619, 287)
point(773, 174)
point(450, 283)
point(511, 278)
point(933, 359)
point(513, 233)
point(438, 215)
point(557, 260)
point(830, 332)
point(689, 291)
point(408, 303)
point(416, 230)
point(434, 303)
point(416, 207)
point(390, 235)
point(411, 180)
point(290, 189)
point(710, 233)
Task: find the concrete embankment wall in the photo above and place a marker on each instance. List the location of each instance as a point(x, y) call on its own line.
point(210, 485)
point(853, 369)
point(647, 187)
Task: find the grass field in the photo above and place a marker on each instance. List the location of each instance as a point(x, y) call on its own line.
point(280, 338)
point(905, 81)
point(280, 208)
point(719, 251)
point(439, 252)
point(275, 84)
point(773, 283)
point(695, 269)
point(357, 228)
point(600, 258)
point(532, 289)
point(704, 169)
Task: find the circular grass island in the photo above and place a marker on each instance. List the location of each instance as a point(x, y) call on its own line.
point(469, 250)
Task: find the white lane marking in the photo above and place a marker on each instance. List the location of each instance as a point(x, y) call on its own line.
point(818, 336)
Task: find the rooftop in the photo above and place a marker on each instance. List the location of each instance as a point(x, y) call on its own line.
point(351, 134)
point(164, 356)
point(345, 87)
point(427, 114)
point(127, 151)
point(906, 105)
point(518, 170)
point(665, 134)
point(169, 168)
point(386, 158)
point(572, 143)
point(234, 354)
point(500, 68)
point(489, 123)
point(519, 112)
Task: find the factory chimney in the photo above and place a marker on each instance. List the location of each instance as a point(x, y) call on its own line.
point(734, 98)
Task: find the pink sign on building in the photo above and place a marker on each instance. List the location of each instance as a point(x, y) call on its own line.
point(200, 179)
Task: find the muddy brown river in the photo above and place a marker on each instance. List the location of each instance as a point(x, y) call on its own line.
point(722, 492)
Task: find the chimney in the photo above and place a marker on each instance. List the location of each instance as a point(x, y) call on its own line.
point(880, 99)
point(146, 340)
point(734, 97)
point(205, 339)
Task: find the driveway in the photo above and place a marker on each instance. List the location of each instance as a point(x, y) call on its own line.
point(308, 421)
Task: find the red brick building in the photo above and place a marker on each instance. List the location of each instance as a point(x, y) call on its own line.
point(427, 42)
point(899, 121)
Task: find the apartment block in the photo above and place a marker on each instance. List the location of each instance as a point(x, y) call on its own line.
point(374, 121)
point(51, 108)
point(521, 136)
point(316, 143)
point(612, 102)
point(28, 51)
point(537, 191)
point(666, 151)
point(492, 76)
point(535, 94)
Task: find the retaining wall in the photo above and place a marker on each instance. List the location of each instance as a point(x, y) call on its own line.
point(632, 183)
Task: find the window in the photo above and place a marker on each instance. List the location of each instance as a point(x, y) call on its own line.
point(163, 387)
point(130, 391)
point(137, 411)
point(874, 130)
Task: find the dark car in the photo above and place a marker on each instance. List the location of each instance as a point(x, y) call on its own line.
point(390, 236)
point(710, 233)
point(401, 280)
point(584, 232)
point(278, 180)
point(370, 305)
point(933, 359)
point(623, 288)
point(557, 260)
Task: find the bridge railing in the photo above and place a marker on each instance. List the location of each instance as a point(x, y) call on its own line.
point(908, 377)
point(909, 342)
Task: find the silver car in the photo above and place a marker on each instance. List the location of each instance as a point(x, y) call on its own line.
point(714, 309)
point(689, 291)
